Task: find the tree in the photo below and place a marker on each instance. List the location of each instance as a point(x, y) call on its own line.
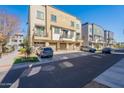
point(9, 25)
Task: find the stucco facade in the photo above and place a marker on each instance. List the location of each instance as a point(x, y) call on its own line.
point(93, 35)
point(61, 31)
point(109, 38)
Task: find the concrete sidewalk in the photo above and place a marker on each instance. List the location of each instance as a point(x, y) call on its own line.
point(114, 76)
point(6, 61)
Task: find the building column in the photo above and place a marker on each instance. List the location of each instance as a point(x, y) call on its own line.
point(67, 46)
point(47, 44)
point(58, 46)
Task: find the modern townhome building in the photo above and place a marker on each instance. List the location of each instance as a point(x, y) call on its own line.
point(109, 38)
point(16, 40)
point(93, 35)
point(49, 26)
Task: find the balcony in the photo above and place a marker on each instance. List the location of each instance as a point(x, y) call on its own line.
point(39, 36)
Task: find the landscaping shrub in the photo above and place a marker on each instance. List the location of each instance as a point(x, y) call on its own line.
point(22, 50)
point(24, 60)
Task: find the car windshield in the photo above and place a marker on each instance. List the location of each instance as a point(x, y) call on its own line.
point(47, 49)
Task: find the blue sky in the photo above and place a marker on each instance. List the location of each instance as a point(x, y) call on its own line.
point(109, 17)
point(20, 11)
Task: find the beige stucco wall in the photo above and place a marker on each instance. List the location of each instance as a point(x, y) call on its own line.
point(63, 21)
point(34, 21)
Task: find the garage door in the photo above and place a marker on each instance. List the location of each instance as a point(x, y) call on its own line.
point(71, 47)
point(53, 46)
point(39, 44)
point(77, 46)
point(62, 46)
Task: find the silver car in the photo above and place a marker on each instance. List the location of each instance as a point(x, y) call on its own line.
point(88, 49)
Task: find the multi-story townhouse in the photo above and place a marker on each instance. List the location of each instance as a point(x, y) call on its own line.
point(93, 35)
point(87, 34)
point(49, 26)
point(16, 40)
point(109, 38)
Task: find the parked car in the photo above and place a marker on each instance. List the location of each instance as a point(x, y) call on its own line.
point(107, 50)
point(88, 49)
point(45, 52)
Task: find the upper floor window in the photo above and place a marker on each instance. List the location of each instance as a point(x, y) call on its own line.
point(71, 34)
point(72, 23)
point(65, 33)
point(53, 18)
point(90, 30)
point(56, 30)
point(77, 26)
point(77, 36)
point(40, 31)
point(40, 15)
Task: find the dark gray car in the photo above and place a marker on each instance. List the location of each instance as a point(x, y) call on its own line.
point(107, 50)
point(45, 52)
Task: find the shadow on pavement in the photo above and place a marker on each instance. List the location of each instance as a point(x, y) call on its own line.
point(69, 73)
point(10, 77)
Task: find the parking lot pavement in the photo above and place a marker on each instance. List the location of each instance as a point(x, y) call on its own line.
point(63, 56)
point(113, 77)
point(68, 73)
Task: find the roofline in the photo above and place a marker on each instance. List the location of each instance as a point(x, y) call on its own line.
point(98, 25)
point(64, 12)
point(93, 24)
point(108, 31)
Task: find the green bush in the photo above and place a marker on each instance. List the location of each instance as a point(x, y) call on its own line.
point(24, 60)
point(22, 50)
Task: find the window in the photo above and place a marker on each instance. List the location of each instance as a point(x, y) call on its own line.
point(40, 15)
point(77, 26)
point(77, 36)
point(40, 31)
point(72, 23)
point(20, 41)
point(53, 18)
point(90, 30)
point(71, 34)
point(65, 33)
point(14, 40)
point(56, 30)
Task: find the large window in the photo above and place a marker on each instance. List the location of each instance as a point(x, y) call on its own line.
point(40, 15)
point(77, 36)
point(77, 26)
point(72, 23)
point(71, 34)
point(65, 33)
point(40, 31)
point(57, 30)
point(53, 18)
